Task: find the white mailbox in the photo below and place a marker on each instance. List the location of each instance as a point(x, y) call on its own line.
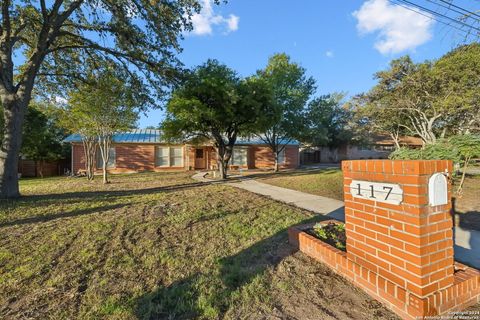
point(437, 190)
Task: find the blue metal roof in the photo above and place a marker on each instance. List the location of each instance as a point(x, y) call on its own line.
point(135, 136)
point(155, 136)
point(254, 141)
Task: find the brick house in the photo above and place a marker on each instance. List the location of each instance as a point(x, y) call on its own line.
point(144, 150)
point(379, 148)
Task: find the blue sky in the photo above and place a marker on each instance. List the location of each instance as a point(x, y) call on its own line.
point(340, 43)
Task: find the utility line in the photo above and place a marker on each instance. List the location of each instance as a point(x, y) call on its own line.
point(429, 16)
point(450, 3)
point(440, 15)
point(449, 7)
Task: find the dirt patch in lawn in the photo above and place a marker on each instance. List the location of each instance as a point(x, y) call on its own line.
point(302, 288)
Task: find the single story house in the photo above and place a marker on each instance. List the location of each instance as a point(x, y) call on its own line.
point(380, 148)
point(144, 150)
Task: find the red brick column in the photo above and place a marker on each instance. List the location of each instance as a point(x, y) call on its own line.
point(409, 243)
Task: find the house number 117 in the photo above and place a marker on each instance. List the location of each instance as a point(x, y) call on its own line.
point(377, 191)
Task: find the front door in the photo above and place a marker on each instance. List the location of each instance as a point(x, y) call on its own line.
point(199, 158)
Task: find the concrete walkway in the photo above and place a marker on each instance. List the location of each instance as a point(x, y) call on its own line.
point(321, 205)
point(467, 246)
point(467, 242)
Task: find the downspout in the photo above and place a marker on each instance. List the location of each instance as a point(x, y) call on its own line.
point(207, 166)
point(71, 160)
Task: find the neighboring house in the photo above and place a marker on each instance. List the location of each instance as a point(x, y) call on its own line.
point(145, 150)
point(381, 148)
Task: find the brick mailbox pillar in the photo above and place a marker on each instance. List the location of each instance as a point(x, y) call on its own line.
point(393, 230)
point(399, 227)
point(399, 232)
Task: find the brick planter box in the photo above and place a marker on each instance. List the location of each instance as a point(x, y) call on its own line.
point(399, 233)
point(464, 292)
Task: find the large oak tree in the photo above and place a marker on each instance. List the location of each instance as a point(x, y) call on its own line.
point(215, 104)
point(430, 100)
point(48, 42)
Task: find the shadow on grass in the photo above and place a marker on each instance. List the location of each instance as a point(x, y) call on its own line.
point(115, 193)
point(209, 295)
point(82, 195)
point(47, 218)
point(469, 220)
point(465, 220)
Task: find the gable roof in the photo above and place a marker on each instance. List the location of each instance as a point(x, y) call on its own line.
point(155, 136)
point(403, 140)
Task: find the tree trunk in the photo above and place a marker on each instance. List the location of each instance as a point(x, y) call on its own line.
point(14, 111)
point(105, 174)
point(104, 142)
point(462, 181)
point(89, 148)
point(396, 139)
point(40, 168)
point(222, 169)
point(222, 166)
point(276, 167)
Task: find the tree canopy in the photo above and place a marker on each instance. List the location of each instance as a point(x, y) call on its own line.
point(215, 104)
point(284, 119)
point(42, 135)
point(328, 121)
point(106, 103)
point(56, 43)
point(430, 100)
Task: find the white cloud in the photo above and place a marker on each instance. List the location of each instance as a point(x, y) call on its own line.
point(399, 29)
point(329, 54)
point(232, 22)
point(204, 21)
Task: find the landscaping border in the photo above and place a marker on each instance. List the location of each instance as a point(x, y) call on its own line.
point(464, 292)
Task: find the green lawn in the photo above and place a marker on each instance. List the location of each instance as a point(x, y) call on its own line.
point(322, 182)
point(161, 246)
point(329, 183)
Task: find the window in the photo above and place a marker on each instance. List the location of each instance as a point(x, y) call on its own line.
point(199, 153)
point(169, 156)
point(239, 156)
point(176, 156)
point(111, 158)
point(384, 148)
point(281, 157)
point(161, 156)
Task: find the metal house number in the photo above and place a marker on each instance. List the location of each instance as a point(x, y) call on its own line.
point(377, 191)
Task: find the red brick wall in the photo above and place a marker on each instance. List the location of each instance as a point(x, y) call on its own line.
point(141, 157)
point(463, 293)
point(400, 254)
point(410, 244)
point(129, 158)
point(135, 157)
point(262, 157)
point(78, 158)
